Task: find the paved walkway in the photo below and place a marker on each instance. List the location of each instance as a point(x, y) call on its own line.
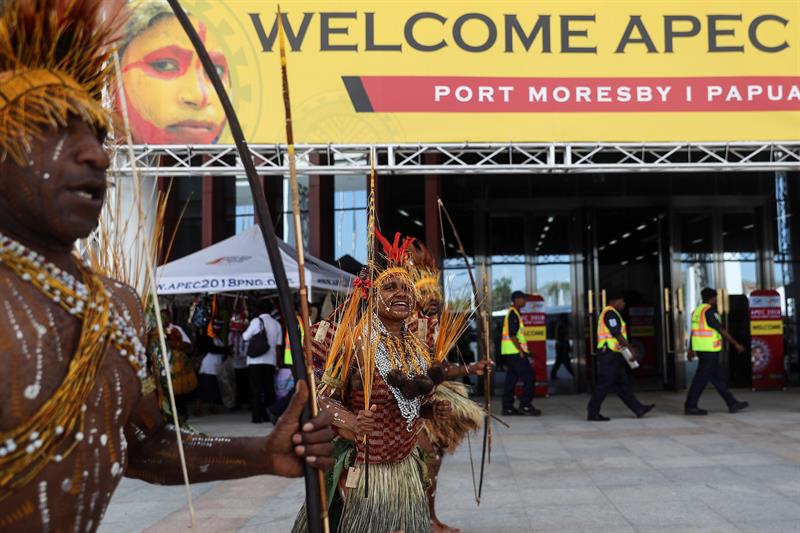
point(664, 473)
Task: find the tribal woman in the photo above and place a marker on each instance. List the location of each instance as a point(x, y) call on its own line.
point(379, 480)
point(442, 436)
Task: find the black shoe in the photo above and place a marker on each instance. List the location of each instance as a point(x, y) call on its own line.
point(597, 418)
point(531, 411)
point(694, 411)
point(511, 412)
point(738, 406)
point(646, 409)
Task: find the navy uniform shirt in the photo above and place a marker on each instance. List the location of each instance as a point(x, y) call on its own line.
point(712, 319)
point(513, 324)
point(613, 324)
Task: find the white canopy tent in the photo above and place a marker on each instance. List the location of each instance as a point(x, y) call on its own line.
point(240, 263)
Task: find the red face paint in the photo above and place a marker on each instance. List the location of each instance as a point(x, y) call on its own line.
point(165, 63)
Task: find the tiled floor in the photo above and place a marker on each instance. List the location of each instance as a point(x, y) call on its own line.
point(664, 473)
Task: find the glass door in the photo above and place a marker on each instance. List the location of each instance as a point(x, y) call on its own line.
point(716, 249)
point(739, 266)
point(629, 255)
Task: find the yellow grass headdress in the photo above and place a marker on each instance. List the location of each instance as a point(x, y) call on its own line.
point(425, 271)
point(53, 64)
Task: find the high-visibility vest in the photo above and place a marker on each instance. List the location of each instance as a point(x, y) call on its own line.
point(704, 338)
point(605, 339)
point(506, 344)
point(287, 350)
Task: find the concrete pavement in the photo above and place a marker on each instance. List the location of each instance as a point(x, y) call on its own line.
point(666, 472)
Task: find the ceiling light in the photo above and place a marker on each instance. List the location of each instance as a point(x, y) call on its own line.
point(749, 226)
point(639, 257)
point(626, 235)
point(417, 222)
point(403, 212)
point(612, 243)
point(547, 228)
point(549, 220)
point(623, 263)
point(602, 247)
point(697, 241)
point(640, 228)
point(655, 253)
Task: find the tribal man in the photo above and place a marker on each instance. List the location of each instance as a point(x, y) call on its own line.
point(77, 408)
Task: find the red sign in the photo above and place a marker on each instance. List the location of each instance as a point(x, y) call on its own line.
point(534, 320)
point(642, 333)
point(766, 340)
point(458, 94)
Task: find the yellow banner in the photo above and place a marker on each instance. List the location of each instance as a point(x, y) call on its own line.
point(766, 327)
point(455, 71)
point(535, 333)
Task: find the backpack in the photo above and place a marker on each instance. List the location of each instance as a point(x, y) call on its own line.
point(258, 344)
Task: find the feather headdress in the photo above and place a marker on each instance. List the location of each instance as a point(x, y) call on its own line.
point(53, 64)
point(424, 271)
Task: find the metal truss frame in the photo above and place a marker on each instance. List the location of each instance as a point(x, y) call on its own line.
point(466, 158)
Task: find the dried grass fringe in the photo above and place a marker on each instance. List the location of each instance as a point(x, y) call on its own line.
point(466, 416)
point(396, 501)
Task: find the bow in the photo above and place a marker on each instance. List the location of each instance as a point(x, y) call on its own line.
point(313, 492)
point(483, 333)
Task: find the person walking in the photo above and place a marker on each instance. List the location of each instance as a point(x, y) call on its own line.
point(514, 350)
point(612, 340)
point(706, 344)
point(562, 351)
point(261, 368)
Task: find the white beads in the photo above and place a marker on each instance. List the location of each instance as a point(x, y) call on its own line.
point(59, 430)
point(79, 436)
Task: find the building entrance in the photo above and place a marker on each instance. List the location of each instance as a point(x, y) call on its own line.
point(661, 238)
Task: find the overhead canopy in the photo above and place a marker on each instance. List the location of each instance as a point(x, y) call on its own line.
point(240, 263)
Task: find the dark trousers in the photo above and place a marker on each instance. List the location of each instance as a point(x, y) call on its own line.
point(612, 375)
point(262, 389)
point(708, 369)
point(242, 387)
point(562, 358)
point(517, 369)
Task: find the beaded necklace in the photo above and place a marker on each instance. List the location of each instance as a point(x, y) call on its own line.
point(56, 429)
point(403, 353)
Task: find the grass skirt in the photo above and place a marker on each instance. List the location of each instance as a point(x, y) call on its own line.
point(466, 416)
point(396, 501)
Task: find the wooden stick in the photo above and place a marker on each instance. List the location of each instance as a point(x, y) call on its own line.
point(301, 262)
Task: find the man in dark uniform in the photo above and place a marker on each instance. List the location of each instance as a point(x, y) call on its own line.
point(514, 349)
point(706, 343)
point(612, 341)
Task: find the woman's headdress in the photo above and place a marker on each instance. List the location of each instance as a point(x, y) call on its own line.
point(54, 62)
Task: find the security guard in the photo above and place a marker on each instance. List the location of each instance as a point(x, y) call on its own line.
point(706, 343)
point(612, 338)
point(287, 350)
point(514, 349)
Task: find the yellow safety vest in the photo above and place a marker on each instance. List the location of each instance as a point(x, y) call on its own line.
point(506, 344)
point(287, 350)
point(704, 338)
point(604, 337)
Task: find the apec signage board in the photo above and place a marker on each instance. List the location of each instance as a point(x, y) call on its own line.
point(455, 71)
